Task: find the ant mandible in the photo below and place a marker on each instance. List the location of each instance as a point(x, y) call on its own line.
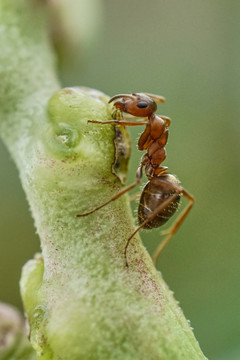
point(161, 195)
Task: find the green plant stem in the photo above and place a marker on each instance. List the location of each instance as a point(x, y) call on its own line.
point(81, 300)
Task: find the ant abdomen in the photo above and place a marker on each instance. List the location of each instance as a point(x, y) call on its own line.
point(153, 195)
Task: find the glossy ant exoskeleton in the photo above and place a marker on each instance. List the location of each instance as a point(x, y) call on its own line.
point(161, 195)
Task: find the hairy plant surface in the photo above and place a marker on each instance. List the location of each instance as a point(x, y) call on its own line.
point(80, 299)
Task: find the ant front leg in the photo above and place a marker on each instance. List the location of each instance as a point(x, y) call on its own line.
point(115, 197)
point(120, 122)
point(170, 232)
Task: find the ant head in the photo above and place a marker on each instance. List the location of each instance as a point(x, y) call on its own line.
point(137, 104)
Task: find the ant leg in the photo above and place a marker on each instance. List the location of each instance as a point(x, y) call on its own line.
point(151, 217)
point(120, 122)
point(167, 119)
point(122, 192)
point(175, 226)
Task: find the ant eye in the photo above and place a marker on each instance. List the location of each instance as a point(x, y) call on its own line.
point(142, 104)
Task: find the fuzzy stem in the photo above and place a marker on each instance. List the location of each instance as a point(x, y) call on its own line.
point(81, 300)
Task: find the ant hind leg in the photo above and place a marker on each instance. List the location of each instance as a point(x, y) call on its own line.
point(173, 229)
point(170, 232)
point(150, 218)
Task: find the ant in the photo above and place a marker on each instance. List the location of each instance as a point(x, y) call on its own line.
point(161, 195)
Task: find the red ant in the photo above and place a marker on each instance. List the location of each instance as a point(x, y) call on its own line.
point(161, 195)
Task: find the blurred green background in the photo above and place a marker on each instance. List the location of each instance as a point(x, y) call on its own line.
point(189, 52)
